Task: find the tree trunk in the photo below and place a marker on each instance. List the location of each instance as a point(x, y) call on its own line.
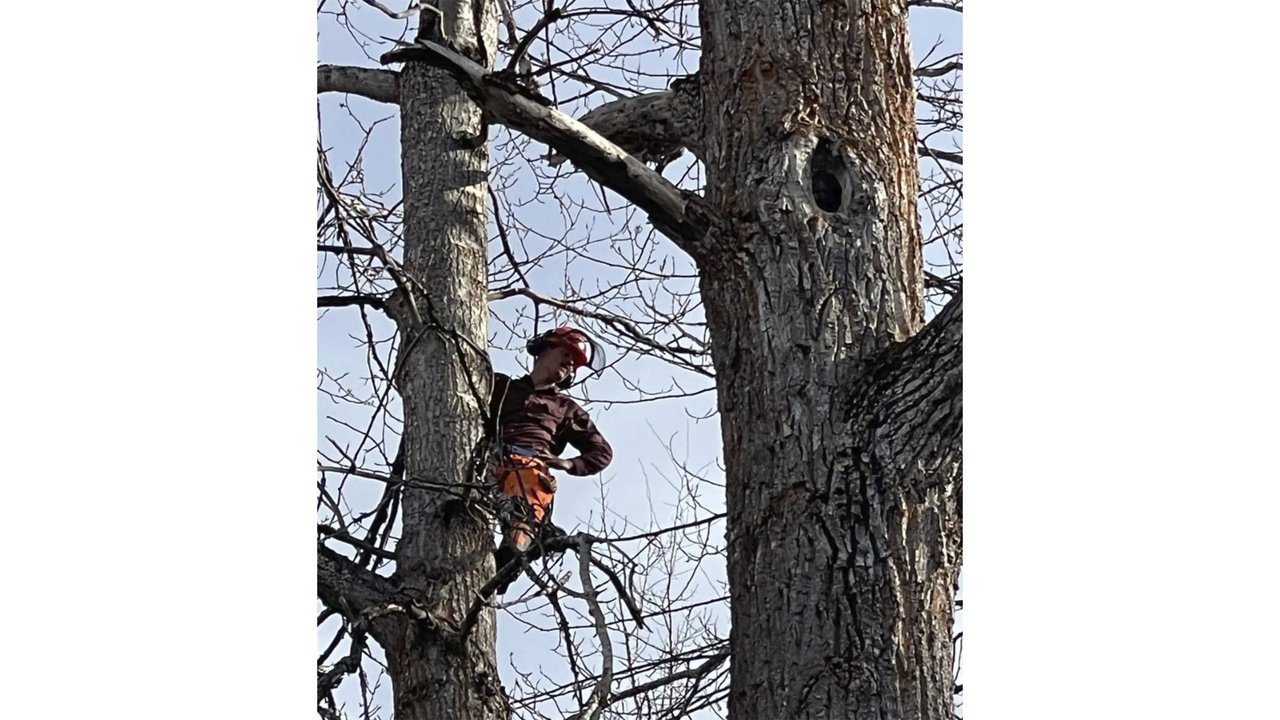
point(842, 469)
point(443, 556)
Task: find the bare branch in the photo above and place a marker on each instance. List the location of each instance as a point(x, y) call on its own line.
point(507, 571)
point(682, 216)
point(916, 387)
point(636, 615)
point(694, 672)
point(654, 127)
point(506, 241)
point(332, 301)
point(939, 70)
point(663, 531)
point(953, 5)
point(517, 55)
point(340, 250)
point(329, 679)
point(596, 703)
point(620, 324)
point(413, 9)
point(371, 83)
point(951, 157)
point(340, 580)
point(355, 542)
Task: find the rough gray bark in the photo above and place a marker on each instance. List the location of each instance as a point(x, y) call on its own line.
point(372, 83)
point(347, 587)
point(842, 497)
point(443, 557)
point(653, 127)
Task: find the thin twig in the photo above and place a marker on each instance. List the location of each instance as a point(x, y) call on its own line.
point(693, 672)
point(354, 541)
point(551, 16)
point(405, 14)
point(663, 531)
point(331, 678)
point(622, 593)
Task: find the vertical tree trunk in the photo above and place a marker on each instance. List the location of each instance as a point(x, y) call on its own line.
point(843, 544)
point(444, 553)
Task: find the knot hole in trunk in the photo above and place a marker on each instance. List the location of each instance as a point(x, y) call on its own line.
point(832, 177)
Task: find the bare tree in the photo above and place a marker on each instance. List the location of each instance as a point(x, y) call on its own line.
point(789, 274)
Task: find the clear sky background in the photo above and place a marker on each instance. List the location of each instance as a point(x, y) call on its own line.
point(160, 346)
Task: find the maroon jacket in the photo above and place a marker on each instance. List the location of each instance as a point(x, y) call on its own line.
point(545, 421)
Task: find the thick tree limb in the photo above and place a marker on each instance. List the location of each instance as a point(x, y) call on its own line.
point(927, 365)
point(338, 579)
point(371, 83)
point(413, 9)
point(332, 301)
point(653, 127)
point(343, 250)
point(915, 390)
point(684, 217)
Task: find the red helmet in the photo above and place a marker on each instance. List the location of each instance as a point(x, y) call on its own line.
point(582, 348)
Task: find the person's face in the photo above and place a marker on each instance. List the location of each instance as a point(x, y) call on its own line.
point(554, 365)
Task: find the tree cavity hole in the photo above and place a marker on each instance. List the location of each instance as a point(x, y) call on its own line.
point(829, 177)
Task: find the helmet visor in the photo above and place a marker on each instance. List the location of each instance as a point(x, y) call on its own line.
point(584, 351)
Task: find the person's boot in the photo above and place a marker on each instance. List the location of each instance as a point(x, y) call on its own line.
point(551, 531)
point(505, 553)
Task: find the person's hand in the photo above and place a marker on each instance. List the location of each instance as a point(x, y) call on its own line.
point(556, 462)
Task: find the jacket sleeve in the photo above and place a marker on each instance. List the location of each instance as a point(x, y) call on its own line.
point(578, 430)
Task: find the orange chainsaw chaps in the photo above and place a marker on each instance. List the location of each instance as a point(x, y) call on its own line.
point(525, 477)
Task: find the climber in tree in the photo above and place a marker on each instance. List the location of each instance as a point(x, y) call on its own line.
point(534, 421)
